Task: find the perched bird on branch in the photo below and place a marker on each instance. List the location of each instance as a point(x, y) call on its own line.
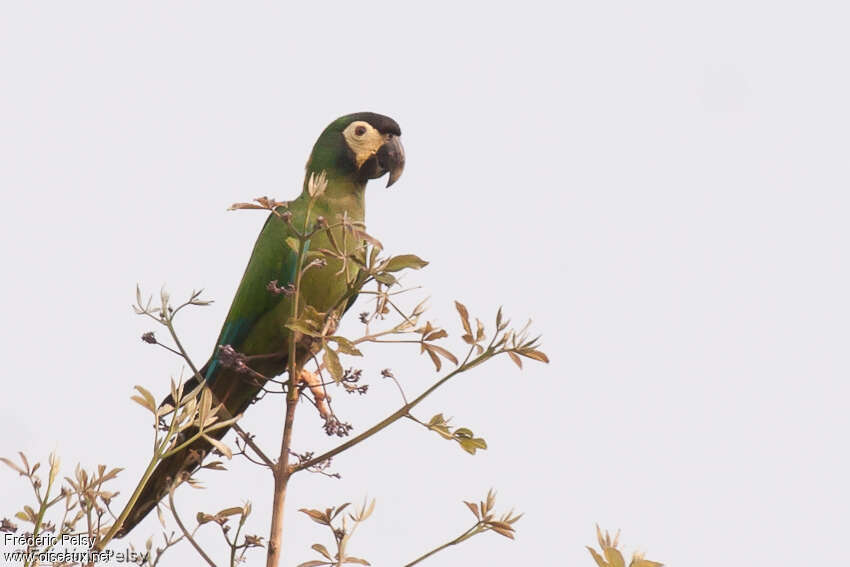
point(350, 151)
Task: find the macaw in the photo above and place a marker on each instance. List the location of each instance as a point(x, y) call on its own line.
point(350, 151)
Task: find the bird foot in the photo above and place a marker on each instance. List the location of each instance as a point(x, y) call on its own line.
point(313, 382)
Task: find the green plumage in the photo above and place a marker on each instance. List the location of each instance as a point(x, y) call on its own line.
point(350, 151)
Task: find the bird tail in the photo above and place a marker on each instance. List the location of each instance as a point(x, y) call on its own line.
point(229, 388)
point(179, 466)
point(176, 467)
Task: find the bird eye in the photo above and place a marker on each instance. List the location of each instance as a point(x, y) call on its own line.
point(360, 130)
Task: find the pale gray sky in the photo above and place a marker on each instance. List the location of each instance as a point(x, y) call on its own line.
point(661, 186)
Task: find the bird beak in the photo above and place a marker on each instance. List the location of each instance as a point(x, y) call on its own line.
point(391, 158)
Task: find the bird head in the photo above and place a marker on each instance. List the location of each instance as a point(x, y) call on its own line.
point(362, 146)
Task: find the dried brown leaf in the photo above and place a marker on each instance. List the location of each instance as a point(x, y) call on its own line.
point(464, 317)
point(535, 354)
point(515, 358)
point(321, 549)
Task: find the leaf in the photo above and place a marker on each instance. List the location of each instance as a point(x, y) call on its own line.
point(340, 509)
point(464, 317)
point(345, 346)
point(404, 261)
point(317, 184)
point(112, 474)
point(479, 332)
point(368, 510)
point(13, 466)
point(316, 516)
point(598, 558)
point(321, 549)
point(222, 448)
point(386, 279)
point(263, 203)
point(357, 560)
point(438, 334)
point(535, 355)
point(472, 445)
point(473, 507)
point(204, 407)
point(638, 561)
point(434, 358)
point(233, 511)
point(142, 402)
point(515, 358)
point(444, 353)
point(438, 418)
point(331, 361)
point(508, 533)
point(301, 326)
point(313, 563)
point(614, 557)
point(149, 401)
point(363, 235)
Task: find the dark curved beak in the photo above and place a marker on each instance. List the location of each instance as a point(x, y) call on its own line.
point(391, 158)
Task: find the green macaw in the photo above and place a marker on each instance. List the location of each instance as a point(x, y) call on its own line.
point(351, 150)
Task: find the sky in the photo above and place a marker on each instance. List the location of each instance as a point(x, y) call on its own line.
point(662, 187)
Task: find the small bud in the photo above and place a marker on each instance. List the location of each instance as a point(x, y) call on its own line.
point(321, 222)
point(387, 373)
point(230, 358)
point(287, 290)
point(286, 216)
point(149, 338)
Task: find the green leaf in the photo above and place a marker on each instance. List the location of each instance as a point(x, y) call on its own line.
point(438, 418)
point(331, 361)
point(345, 346)
point(404, 261)
point(386, 279)
point(472, 445)
point(301, 326)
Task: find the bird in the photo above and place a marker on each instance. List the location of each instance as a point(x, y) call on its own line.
point(349, 152)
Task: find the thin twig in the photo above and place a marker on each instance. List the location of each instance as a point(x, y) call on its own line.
point(182, 527)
